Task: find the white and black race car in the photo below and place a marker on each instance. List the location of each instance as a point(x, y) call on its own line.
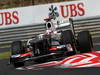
point(54, 44)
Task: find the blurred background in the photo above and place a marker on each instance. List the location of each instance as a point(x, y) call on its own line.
point(4, 4)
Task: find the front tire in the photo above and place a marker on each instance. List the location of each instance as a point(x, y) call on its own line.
point(16, 48)
point(18, 64)
point(43, 48)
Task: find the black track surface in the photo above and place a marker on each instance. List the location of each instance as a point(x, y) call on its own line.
point(5, 69)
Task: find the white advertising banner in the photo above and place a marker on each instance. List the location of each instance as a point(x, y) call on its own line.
point(92, 7)
point(32, 15)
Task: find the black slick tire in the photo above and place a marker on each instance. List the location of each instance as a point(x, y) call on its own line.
point(17, 48)
point(67, 37)
point(85, 43)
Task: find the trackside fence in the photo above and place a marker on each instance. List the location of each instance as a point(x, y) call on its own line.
point(8, 35)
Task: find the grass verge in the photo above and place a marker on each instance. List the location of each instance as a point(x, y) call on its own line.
point(5, 55)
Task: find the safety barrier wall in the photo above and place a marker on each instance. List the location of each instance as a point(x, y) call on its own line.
point(91, 23)
point(7, 35)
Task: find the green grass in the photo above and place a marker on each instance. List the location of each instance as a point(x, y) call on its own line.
point(5, 55)
point(5, 45)
point(95, 34)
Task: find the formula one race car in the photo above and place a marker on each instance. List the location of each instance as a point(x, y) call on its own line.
point(52, 45)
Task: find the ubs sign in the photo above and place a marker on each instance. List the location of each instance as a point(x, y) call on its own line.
point(68, 10)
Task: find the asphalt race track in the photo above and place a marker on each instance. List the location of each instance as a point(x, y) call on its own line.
point(6, 69)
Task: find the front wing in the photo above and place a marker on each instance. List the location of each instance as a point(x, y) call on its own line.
point(91, 59)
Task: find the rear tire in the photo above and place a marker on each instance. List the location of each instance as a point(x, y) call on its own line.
point(67, 37)
point(85, 43)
